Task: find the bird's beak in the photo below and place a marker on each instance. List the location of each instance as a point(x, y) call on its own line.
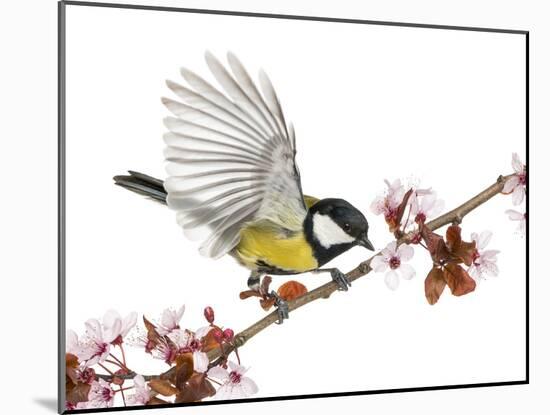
point(364, 241)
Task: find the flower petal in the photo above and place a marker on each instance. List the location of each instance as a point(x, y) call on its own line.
point(392, 280)
point(110, 317)
point(491, 268)
point(377, 205)
point(218, 373)
point(517, 195)
point(428, 202)
point(93, 330)
point(139, 381)
point(489, 255)
point(200, 362)
point(71, 342)
point(405, 252)
point(483, 239)
point(407, 271)
point(379, 263)
point(179, 337)
point(510, 184)
point(514, 214)
point(111, 333)
point(128, 323)
point(391, 248)
point(517, 164)
point(522, 227)
point(248, 386)
point(168, 319)
point(203, 331)
point(234, 367)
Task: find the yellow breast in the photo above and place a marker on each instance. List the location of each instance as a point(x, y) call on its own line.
point(261, 244)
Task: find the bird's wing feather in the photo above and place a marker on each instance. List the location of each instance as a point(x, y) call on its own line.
point(230, 158)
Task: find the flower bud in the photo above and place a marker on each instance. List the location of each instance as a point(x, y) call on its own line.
point(118, 380)
point(218, 334)
point(209, 314)
point(228, 334)
point(416, 238)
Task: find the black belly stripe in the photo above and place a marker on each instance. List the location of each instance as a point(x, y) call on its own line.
point(266, 268)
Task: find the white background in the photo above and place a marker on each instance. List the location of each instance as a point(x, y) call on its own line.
point(369, 102)
point(33, 312)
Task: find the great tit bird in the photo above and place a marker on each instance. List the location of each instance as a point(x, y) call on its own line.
point(234, 183)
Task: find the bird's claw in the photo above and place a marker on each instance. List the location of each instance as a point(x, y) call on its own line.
point(341, 279)
point(282, 307)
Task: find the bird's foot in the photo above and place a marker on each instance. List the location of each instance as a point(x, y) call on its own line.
point(282, 307)
point(338, 277)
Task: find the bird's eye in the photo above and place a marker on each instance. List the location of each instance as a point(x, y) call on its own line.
point(347, 227)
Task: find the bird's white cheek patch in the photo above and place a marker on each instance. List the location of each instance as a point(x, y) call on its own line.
point(328, 232)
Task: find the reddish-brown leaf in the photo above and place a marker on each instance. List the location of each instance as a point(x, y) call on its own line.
point(162, 386)
point(266, 282)
point(461, 251)
point(434, 285)
point(156, 401)
point(401, 210)
point(152, 335)
point(77, 392)
point(196, 389)
point(453, 236)
point(210, 342)
point(243, 295)
point(71, 360)
point(291, 290)
point(184, 369)
point(71, 366)
point(458, 279)
point(435, 244)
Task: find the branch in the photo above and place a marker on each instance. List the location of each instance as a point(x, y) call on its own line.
point(324, 291)
point(132, 374)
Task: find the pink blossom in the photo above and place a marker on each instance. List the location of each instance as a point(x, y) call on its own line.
point(170, 320)
point(101, 395)
point(141, 392)
point(113, 321)
point(485, 260)
point(234, 383)
point(391, 260)
point(521, 218)
point(425, 206)
point(96, 343)
point(184, 341)
point(189, 342)
point(516, 184)
point(390, 201)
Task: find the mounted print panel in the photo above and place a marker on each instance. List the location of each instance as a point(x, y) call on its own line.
point(199, 264)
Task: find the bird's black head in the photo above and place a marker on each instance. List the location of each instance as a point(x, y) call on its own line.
point(333, 226)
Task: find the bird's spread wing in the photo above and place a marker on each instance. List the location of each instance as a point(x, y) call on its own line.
point(230, 157)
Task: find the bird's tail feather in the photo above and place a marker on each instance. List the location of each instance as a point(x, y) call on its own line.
point(143, 184)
